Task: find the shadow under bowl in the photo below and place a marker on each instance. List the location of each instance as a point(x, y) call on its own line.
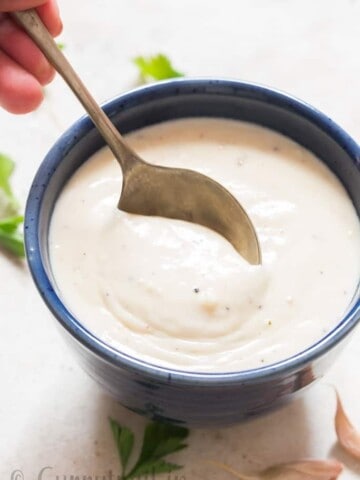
point(195, 399)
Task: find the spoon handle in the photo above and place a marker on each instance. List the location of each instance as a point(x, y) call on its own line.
point(32, 24)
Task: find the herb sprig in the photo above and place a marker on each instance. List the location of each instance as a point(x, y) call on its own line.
point(157, 67)
point(159, 441)
point(10, 219)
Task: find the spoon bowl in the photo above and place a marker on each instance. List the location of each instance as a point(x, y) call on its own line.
point(149, 189)
point(187, 195)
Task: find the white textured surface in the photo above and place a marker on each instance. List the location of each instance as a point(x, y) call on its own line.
point(51, 414)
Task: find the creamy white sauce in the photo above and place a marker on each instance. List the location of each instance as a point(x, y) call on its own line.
point(178, 294)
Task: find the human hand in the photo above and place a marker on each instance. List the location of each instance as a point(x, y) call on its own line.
point(23, 68)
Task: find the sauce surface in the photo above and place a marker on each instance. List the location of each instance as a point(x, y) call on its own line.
point(177, 294)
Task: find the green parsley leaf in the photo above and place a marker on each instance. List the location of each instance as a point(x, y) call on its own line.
point(157, 67)
point(6, 169)
point(159, 440)
point(8, 204)
point(10, 220)
point(13, 242)
point(10, 224)
point(124, 439)
point(60, 45)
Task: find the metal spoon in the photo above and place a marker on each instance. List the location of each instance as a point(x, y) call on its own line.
point(148, 189)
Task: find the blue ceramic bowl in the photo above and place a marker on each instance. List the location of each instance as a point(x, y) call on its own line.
point(196, 399)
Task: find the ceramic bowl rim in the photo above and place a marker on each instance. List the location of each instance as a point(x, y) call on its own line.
point(122, 360)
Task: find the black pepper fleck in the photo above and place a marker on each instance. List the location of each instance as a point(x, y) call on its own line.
point(196, 290)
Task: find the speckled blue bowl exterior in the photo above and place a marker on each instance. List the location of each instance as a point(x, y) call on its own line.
point(205, 400)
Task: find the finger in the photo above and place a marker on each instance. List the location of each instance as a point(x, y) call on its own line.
point(17, 45)
point(20, 92)
point(47, 9)
point(49, 13)
point(12, 5)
